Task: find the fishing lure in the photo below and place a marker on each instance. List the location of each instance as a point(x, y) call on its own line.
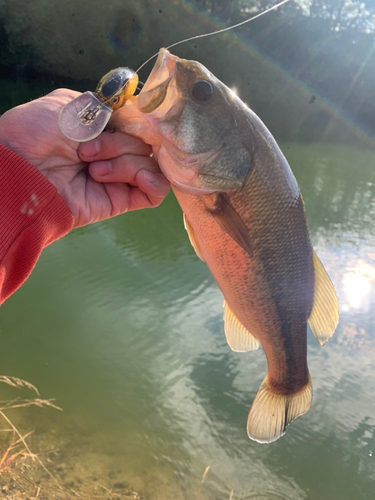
point(86, 116)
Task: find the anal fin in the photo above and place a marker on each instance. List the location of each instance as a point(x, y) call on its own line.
point(325, 311)
point(239, 339)
point(192, 238)
point(270, 413)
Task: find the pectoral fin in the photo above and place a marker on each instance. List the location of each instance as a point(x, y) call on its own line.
point(239, 339)
point(230, 222)
point(325, 311)
point(192, 238)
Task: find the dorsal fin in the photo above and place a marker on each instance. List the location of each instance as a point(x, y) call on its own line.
point(239, 339)
point(325, 311)
point(192, 238)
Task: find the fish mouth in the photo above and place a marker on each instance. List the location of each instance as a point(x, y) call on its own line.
point(154, 94)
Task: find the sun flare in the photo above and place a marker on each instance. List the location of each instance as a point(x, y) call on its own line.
point(357, 283)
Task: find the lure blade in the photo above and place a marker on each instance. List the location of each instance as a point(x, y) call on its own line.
point(84, 118)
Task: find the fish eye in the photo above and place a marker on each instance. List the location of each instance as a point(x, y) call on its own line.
point(202, 91)
point(115, 100)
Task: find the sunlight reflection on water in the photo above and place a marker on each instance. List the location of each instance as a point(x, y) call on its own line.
point(357, 284)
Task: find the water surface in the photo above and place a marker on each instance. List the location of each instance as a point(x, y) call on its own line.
point(122, 324)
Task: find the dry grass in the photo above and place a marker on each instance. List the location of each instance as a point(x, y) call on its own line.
point(207, 469)
point(17, 458)
point(18, 382)
point(23, 474)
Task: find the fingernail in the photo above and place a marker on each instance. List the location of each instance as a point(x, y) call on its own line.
point(90, 148)
point(101, 167)
point(150, 177)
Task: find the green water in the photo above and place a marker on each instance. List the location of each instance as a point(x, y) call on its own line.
point(122, 324)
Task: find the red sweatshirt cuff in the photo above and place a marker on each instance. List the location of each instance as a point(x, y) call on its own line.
point(32, 215)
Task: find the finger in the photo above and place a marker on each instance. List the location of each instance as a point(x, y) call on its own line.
point(64, 95)
point(122, 169)
point(140, 171)
point(118, 195)
point(125, 198)
point(154, 186)
point(138, 199)
point(108, 145)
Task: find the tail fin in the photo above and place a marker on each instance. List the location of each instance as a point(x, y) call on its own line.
point(271, 413)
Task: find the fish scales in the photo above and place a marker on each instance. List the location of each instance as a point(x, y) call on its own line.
point(245, 218)
point(274, 310)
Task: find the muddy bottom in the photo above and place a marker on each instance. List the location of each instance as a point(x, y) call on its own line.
point(37, 461)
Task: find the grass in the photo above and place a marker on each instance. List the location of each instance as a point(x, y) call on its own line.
point(23, 474)
point(18, 458)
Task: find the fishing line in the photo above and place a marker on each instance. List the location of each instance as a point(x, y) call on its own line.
point(80, 122)
point(218, 31)
point(195, 37)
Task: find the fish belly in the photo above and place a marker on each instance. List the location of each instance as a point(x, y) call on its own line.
point(277, 318)
point(271, 295)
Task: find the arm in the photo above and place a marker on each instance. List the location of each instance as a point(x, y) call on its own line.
point(49, 184)
point(32, 215)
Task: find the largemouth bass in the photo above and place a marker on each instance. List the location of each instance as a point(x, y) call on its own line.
point(245, 218)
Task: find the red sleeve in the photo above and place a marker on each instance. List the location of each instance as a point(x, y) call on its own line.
point(32, 215)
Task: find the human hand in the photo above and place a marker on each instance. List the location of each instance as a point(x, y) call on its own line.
point(107, 176)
